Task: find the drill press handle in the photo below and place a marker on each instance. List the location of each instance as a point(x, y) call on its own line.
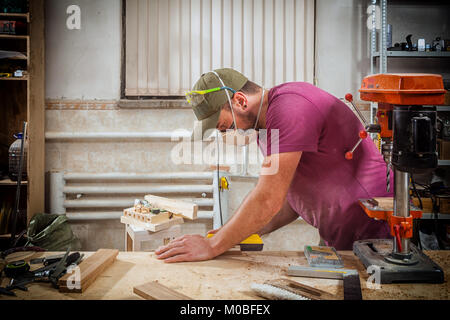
point(363, 134)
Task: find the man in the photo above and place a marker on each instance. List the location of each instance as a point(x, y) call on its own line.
point(314, 180)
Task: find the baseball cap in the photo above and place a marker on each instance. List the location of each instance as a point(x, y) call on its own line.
point(208, 111)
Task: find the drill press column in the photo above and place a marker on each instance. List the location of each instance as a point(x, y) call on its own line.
point(401, 206)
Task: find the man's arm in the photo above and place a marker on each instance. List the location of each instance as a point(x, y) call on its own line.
point(285, 216)
point(258, 209)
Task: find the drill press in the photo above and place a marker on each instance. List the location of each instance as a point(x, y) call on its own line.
point(407, 125)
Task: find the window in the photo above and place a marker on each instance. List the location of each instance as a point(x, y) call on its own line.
point(170, 43)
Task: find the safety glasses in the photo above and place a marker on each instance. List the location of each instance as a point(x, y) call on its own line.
point(196, 97)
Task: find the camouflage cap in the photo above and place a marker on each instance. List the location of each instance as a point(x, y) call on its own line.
point(208, 111)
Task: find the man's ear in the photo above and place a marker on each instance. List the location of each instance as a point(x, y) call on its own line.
point(240, 100)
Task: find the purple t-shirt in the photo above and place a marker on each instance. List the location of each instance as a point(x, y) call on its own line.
point(326, 187)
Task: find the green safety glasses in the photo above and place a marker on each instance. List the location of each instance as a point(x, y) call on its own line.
point(196, 97)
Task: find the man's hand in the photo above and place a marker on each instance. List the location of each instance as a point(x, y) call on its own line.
point(186, 248)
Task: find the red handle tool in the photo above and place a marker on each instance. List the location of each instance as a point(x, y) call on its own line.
point(397, 228)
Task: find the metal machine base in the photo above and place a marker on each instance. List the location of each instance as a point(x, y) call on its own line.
point(378, 252)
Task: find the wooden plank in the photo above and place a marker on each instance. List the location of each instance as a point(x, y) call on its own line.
point(152, 227)
point(36, 111)
point(24, 78)
point(90, 269)
point(386, 203)
point(184, 208)
point(156, 291)
point(15, 15)
point(13, 36)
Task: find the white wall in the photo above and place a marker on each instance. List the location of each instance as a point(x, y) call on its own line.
point(342, 50)
point(85, 63)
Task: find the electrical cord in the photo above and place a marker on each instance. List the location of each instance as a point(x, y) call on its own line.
point(417, 193)
point(218, 179)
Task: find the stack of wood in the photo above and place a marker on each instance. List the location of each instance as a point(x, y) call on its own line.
point(158, 213)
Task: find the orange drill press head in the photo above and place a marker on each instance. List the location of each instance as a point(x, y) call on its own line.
point(403, 89)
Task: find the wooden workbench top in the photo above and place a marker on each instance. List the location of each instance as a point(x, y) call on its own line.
point(227, 277)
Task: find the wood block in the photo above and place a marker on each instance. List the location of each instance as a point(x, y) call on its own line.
point(156, 291)
point(146, 217)
point(386, 203)
point(90, 269)
point(150, 226)
point(426, 203)
point(444, 205)
point(184, 208)
point(221, 168)
point(444, 149)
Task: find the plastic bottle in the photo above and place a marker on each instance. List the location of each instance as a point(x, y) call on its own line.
point(14, 158)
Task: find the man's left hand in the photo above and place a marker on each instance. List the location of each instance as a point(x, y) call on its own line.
point(186, 248)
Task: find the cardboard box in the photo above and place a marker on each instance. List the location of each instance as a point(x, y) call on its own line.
point(444, 149)
point(447, 98)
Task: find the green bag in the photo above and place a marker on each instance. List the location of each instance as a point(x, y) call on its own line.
point(51, 232)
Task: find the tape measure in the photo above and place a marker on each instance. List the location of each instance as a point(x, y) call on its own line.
point(16, 268)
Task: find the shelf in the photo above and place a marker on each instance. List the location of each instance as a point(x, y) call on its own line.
point(415, 54)
point(443, 162)
point(16, 15)
point(14, 78)
point(440, 216)
point(13, 36)
point(442, 108)
point(9, 182)
point(17, 58)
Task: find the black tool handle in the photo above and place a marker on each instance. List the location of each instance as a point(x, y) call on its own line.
point(72, 258)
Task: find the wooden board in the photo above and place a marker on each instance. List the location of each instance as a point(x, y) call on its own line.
point(152, 227)
point(90, 269)
point(36, 110)
point(386, 203)
point(184, 208)
point(156, 291)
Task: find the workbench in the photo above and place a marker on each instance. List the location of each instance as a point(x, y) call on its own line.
point(227, 277)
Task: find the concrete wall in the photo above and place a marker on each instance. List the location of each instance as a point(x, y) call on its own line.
point(85, 63)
